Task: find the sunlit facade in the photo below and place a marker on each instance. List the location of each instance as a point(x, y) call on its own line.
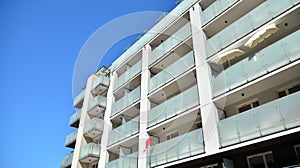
point(215, 84)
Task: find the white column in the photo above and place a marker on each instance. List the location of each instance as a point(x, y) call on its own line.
point(144, 107)
point(209, 113)
point(80, 140)
point(104, 157)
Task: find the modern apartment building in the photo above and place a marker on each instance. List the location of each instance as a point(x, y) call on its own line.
point(216, 83)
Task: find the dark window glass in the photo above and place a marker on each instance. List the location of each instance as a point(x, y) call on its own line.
point(281, 94)
point(294, 89)
point(255, 104)
point(270, 160)
point(245, 108)
point(257, 162)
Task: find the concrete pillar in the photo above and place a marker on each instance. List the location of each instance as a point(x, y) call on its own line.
point(144, 107)
point(107, 124)
point(80, 140)
point(209, 112)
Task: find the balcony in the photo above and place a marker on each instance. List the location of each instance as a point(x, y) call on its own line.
point(78, 100)
point(266, 60)
point(173, 106)
point(97, 106)
point(126, 100)
point(269, 118)
point(129, 74)
point(66, 162)
point(90, 153)
point(124, 131)
point(100, 85)
point(174, 70)
point(183, 146)
point(215, 9)
point(75, 118)
point(178, 37)
point(159, 27)
point(124, 162)
point(246, 24)
point(94, 128)
point(71, 140)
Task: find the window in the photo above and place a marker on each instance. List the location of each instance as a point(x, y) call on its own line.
point(172, 135)
point(289, 90)
point(249, 105)
point(262, 160)
point(297, 150)
point(93, 165)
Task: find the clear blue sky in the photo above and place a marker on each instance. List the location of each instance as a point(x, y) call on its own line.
point(39, 44)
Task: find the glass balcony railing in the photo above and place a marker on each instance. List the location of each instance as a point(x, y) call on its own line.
point(124, 162)
point(272, 117)
point(216, 9)
point(100, 81)
point(98, 101)
point(66, 162)
point(251, 21)
point(172, 71)
point(75, 118)
point(268, 59)
point(126, 101)
point(90, 150)
point(183, 146)
point(95, 124)
point(173, 106)
point(78, 100)
point(159, 27)
point(70, 139)
point(125, 130)
point(129, 74)
point(170, 43)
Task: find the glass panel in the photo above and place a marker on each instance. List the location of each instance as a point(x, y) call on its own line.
point(274, 56)
point(66, 161)
point(71, 138)
point(79, 98)
point(219, 84)
point(101, 80)
point(184, 145)
point(289, 107)
point(291, 46)
point(228, 131)
point(97, 101)
point(129, 74)
point(90, 150)
point(126, 101)
point(171, 72)
point(175, 105)
point(260, 15)
point(170, 43)
point(277, 7)
point(253, 67)
point(235, 76)
point(125, 130)
point(75, 117)
point(94, 124)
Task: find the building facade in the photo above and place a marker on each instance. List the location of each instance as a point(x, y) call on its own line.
point(214, 84)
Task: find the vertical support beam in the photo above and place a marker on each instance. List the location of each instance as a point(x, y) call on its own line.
point(104, 157)
point(80, 140)
point(209, 112)
point(144, 107)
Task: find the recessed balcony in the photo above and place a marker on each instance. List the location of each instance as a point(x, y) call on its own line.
point(94, 128)
point(90, 153)
point(71, 139)
point(275, 116)
point(183, 146)
point(266, 60)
